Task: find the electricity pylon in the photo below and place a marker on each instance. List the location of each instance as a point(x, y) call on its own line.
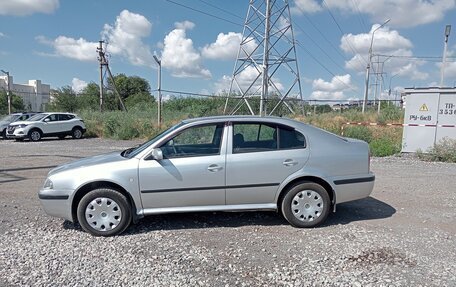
point(266, 57)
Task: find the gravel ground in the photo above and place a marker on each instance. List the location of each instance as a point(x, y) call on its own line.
point(403, 235)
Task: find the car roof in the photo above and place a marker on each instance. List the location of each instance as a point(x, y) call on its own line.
point(240, 118)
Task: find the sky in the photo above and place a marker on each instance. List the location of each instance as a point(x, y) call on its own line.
point(198, 41)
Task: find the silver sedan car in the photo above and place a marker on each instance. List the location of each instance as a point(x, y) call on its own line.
point(226, 163)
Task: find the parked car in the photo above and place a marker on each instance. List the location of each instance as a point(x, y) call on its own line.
point(227, 163)
point(5, 121)
point(47, 125)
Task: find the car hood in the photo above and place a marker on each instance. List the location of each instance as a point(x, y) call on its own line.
point(20, 123)
point(89, 161)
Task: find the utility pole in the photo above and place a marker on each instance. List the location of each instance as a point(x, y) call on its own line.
point(8, 91)
point(102, 63)
point(159, 116)
point(447, 34)
point(366, 86)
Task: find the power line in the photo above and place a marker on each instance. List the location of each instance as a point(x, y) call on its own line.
point(221, 9)
point(321, 33)
point(324, 67)
point(360, 18)
point(205, 13)
point(342, 32)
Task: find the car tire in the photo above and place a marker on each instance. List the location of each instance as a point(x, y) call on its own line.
point(76, 133)
point(306, 204)
point(35, 135)
point(3, 134)
point(104, 212)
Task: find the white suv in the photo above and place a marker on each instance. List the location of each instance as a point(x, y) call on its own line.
point(47, 125)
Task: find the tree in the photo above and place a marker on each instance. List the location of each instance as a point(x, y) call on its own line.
point(16, 103)
point(65, 100)
point(129, 85)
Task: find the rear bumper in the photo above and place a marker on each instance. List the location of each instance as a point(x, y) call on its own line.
point(353, 188)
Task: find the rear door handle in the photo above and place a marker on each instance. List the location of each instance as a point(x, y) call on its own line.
point(214, 167)
point(289, 162)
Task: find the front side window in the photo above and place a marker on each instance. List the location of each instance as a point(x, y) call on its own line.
point(52, 118)
point(195, 141)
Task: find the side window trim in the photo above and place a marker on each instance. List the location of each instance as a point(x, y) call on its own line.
point(278, 127)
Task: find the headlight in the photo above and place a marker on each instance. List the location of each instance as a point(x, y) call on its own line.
point(48, 184)
point(22, 125)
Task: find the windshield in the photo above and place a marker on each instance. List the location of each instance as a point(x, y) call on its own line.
point(9, 118)
point(131, 152)
point(37, 117)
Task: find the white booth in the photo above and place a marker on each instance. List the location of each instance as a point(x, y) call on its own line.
point(430, 115)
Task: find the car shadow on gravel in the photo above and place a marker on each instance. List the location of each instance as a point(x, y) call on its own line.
point(359, 210)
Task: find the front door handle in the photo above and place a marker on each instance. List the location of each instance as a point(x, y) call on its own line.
point(214, 167)
point(289, 162)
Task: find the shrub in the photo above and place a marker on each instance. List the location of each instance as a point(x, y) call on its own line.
point(359, 132)
point(384, 147)
point(444, 150)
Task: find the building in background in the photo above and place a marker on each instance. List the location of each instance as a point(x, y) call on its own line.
point(35, 95)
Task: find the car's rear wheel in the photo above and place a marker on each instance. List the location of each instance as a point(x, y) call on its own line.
point(34, 135)
point(104, 212)
point(306, 204)
point(76, 133)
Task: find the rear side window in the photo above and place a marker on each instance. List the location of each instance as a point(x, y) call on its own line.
point(64, 117)
point(256, 137)
point(289, 139)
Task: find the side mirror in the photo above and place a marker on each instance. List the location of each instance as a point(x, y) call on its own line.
point(46, 120)
point(156, 154)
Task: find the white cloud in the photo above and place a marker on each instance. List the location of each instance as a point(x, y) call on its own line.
point(333, 90)
point(179, 55)
point(450, 70)
point(226, 46)
point(403, 13)
point(27, 7)
point(305, 6)
point(2, 35)
point(243, 81)
point(185, 25)
point(125, 38)
point(386, 42)
point(79, 49)
point(78, 85)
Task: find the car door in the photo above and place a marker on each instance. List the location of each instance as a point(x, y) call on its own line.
point(50, 124)
point(192, 172)
point(260, 157)
point(65, 123)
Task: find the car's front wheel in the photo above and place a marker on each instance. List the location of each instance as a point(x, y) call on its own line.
point(306, 204)
point(104, 212)
point(76, 133)
point(34, 135)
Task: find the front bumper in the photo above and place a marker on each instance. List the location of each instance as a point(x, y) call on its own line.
point(17, 133)
point(56, 203)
